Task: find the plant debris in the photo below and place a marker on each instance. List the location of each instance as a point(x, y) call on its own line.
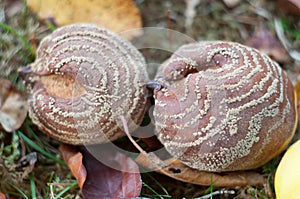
point(175, 169)
point(73, 158)
point(100, 180)
point(13, 106)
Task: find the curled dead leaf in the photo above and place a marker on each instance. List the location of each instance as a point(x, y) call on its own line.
point(117, 15)
point(73, 158)
point(106, 182)
point(98, 180)
point(13, 106)
point(177, 170)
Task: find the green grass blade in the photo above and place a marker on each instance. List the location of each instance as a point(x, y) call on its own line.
point(65, 190)
point(48, 188)
point(50, 25)
point(32, 133)
point(18, 189)
point(32, 187)
point(39, 149)
point(159, 184)
point(24, 41)
point(153, 191)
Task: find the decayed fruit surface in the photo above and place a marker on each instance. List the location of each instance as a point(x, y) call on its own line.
point(222, 106)
point(83, 78)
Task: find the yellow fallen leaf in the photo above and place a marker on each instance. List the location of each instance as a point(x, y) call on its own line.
point(116, 15)
point(287, 177)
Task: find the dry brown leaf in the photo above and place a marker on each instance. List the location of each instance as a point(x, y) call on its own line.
point(4, 90)
point(290, 6)
point(13, 106)
point(106, 182)
point(73, 158)
point(175, 169)
point(116, 15)
point(98, 180)
point(265, 41)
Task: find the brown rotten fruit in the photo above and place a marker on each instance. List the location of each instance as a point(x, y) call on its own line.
point(221, 106)
point(83, 78)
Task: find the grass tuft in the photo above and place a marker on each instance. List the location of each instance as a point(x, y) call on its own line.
point(24, 41)
point(17, 188)
point(65, 190)
point(40, 150)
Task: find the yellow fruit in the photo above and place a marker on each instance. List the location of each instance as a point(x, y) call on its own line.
point(287, 177)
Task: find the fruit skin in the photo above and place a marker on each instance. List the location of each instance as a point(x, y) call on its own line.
point(287, 177)
point(84, 77)
point(223, 106)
